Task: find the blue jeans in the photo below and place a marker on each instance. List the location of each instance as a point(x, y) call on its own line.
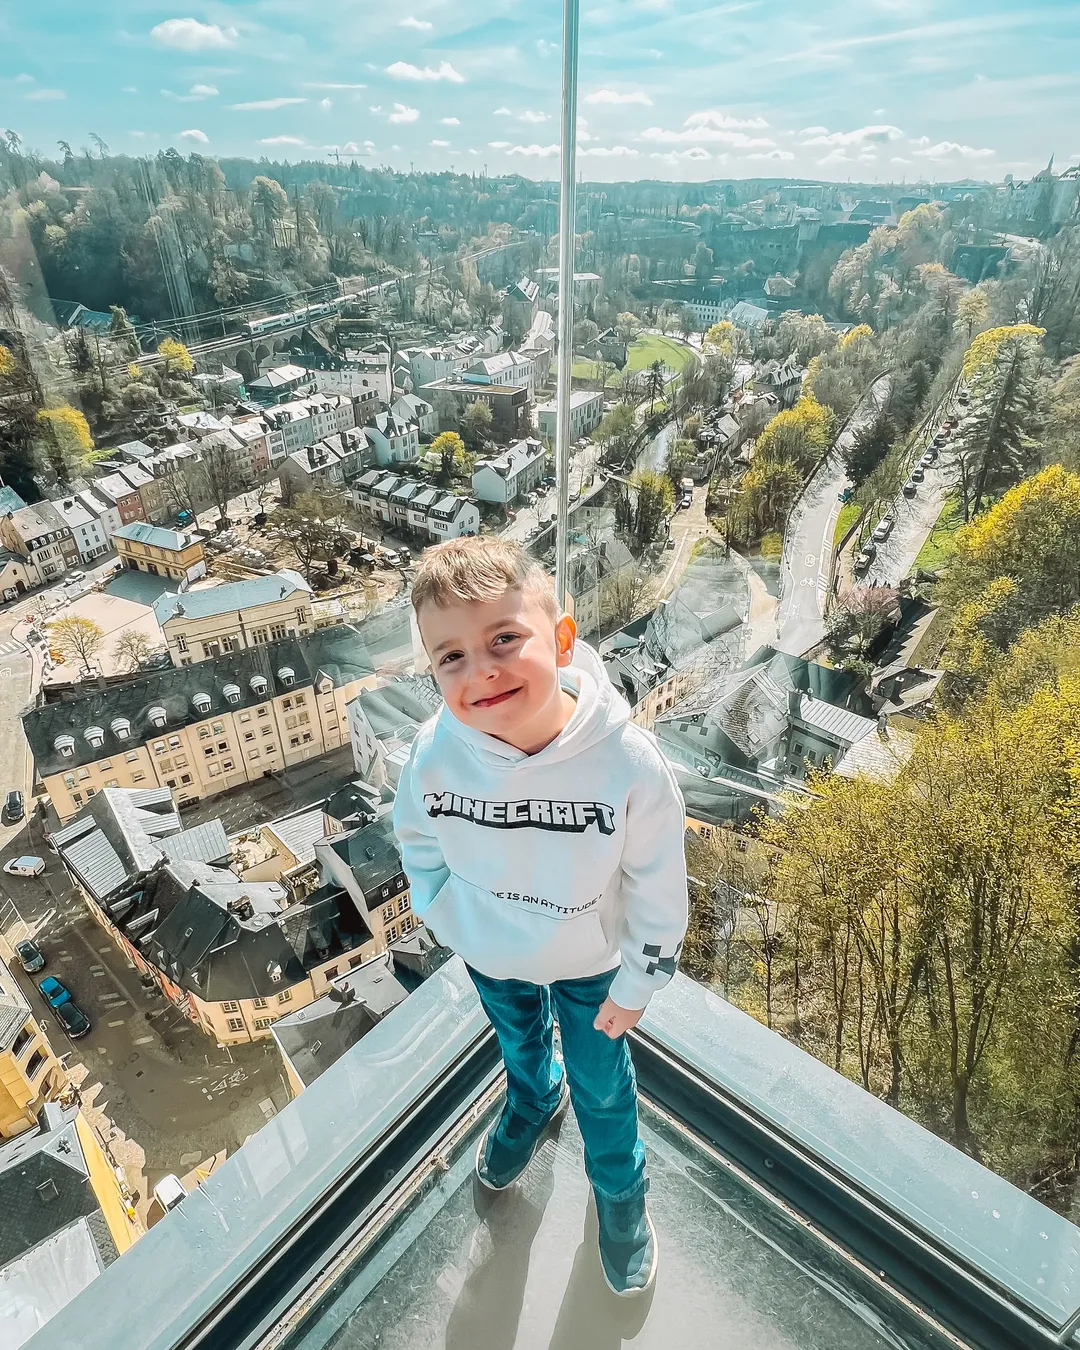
point(603, 1088)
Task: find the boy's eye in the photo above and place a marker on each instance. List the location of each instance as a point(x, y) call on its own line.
point(507, 637)
point(450, 656)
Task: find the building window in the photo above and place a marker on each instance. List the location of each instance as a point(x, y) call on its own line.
point(112, 782)
point(270, 750)
point(249, 736)
point(388, 913)
point(132, 757)
point(235, 1024)
point(36, 1063)
point(245, 717)
point(165, 764)
point(203, 733)
point(219, 728)
point(253, 754)
point(285, 996)
point(300, 702)
point(231, 1006)
point(91, 791)
point(303, 718)
point(287, 703)
point(290, 722)
point(307, 737)
point(76, 797)
point(181, 643)
point(174, 742)
point(21, 1041)
point(215, 770)
point(258, 1003)
point(185, 778)
point(798, 749)
point(294, 741)
point(159, 747)
point(328, 707)
point(392, 932)
point(209, 751)
point(278, 631)
point(263, 712)
point(355, 961)
point(403, 904)
point(227, 765)
point(69, 780)
point(258, 635)
point(223, 745)
point(261, 1023)
point(268, 731)
point(138, 776)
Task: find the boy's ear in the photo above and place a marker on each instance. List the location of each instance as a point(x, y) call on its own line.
point(565, 637)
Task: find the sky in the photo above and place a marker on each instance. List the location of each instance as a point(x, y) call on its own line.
point(867, 90)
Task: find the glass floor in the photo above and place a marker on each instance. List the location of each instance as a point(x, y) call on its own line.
point(462, 1268)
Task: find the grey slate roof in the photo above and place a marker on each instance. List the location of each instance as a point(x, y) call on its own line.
point(398, 708)
point(298, 832)
point(206, 843)
point(174, 540)
point(372, 852)
point(201, 604)
point(13, 1017)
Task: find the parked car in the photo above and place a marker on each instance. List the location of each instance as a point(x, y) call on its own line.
point(963, 398)
point(883, 529)
point(909, 489)
point(918, 473)
point(72, 1018)
point(865, 558)
point(26, 866)
point(847, 494)
point(14, 807)
point(169, 1191)
point(54, 991)
point(30, 955)
point(929, 458)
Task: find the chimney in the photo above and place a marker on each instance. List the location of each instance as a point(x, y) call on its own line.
point(241, 907)
point(343, 994)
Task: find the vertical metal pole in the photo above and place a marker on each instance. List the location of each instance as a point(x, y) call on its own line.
point(567, 220)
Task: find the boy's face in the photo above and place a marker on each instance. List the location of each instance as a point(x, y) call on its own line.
point(497, 663)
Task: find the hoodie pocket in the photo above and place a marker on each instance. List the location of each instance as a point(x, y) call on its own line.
point(519, 937)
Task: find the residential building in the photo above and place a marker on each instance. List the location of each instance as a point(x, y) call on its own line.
point(313, 1038)
point(67, 1217)
point(115, 490)
point(254, 436)
point(757, 732)
point(452, 516)
point(508, 476)
point(215, 620)
point(393, 440)
point(39, 535)
point(305, 421)
point(745, 315)
point(315, 468)
point(782, 378)
point(148, 488)
point(586, 411)
point(539, 345)
point(509, 404)
point(413, 408)
point(86, 528)
point(132, 452)
point(599, 579)
point(520, 303)
point(165, 553)
point(14, 577)
point(30, 1073)
point(225, 459)
point(370, 368)
point(428, 364)
point(181, 473)
point(429, 513)
point(382, 723)
point(587, 285)
point(282, 383)
point(707, 312)
point(231, 954)
point(366, 864)
point(504, 368)
point(196, 425)
point(202, 729)
point(102, 510)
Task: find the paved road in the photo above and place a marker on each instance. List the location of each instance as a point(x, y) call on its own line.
point(915, 518)
point(583, 462)
point(805, 569)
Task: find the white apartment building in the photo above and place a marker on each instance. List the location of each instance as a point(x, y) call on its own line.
point(510, 475)
point(393, 440)
point(503, 368)
point(86, 528)
point(430, 513)
point(412, 408)
point(307, 420)
point(586, 410)
point(103, 511)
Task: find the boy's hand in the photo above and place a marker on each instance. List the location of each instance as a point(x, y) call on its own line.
point(614, 1021)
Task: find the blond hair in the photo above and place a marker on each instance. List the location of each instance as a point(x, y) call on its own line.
point(479, 568)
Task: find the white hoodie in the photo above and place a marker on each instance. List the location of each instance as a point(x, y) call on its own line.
point(551, 866)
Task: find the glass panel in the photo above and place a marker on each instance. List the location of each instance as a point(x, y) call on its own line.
point(1025, 1247)
point(467, 1268)
point(189, 1262)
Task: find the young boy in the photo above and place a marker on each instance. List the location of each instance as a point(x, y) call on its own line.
point(542, 833)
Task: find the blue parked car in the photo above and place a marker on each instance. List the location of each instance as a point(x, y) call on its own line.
point(54, 991)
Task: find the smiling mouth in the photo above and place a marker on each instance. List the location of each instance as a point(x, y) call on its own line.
point(496, 699)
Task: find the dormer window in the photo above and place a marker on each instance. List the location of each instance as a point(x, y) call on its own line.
point(95, 735)
point(258, 684)
point(158, 716)
point(120, 728)
point(201, 702)
point(232, 693)
point(65, 745)
point(287, 675)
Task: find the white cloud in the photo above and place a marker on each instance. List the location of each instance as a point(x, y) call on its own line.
point(546, 48)
point(129, 89)
point(953, 150)
point(535, 151)
point(24, 78)
point(771, 154)
point(265, 104)
point(326, 104)
point(351, 148)
point(613, 96)
point(194, 134)
point(403, 113)
point(836, 157)
point(695, 153)
point(193, 95)
point(421, 25)
point(611, 151)
point(140, 135)
point(498, 145)
point(375, 108)
point(282, 140)
point(189, 35)
point(704, 133)
point(534, 118)
point(899, 159)
point(878, 135)
point(311, 85)
point(920, 140)
point(711, 117)
point(502, 112)
point(814, 131)
point(441, 145)
point(402, 70)
point(45, 95)
point(450, 121)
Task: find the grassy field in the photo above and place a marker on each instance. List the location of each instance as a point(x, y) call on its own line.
point(938, 549)
point(849, 513)
point(644, 350)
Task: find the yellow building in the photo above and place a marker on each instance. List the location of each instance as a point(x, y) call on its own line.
point(165, 553)
point(205, 728)
point(234, 617)
point(30, 1073)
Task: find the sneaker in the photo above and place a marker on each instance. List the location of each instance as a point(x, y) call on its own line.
point(628, 1245)
point(509, 1145)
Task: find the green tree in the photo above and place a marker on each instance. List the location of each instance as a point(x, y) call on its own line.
point(644, 507)
point(654, 383)
point(869, 446)
point(476, 425)
point(681, 456)
point(616, 430)
point(799, 435)
point(972, 313)
point(450, 448)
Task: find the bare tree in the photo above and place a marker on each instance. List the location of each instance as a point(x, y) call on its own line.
point(131, 649)
point(79, 639)
point(223, 479)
